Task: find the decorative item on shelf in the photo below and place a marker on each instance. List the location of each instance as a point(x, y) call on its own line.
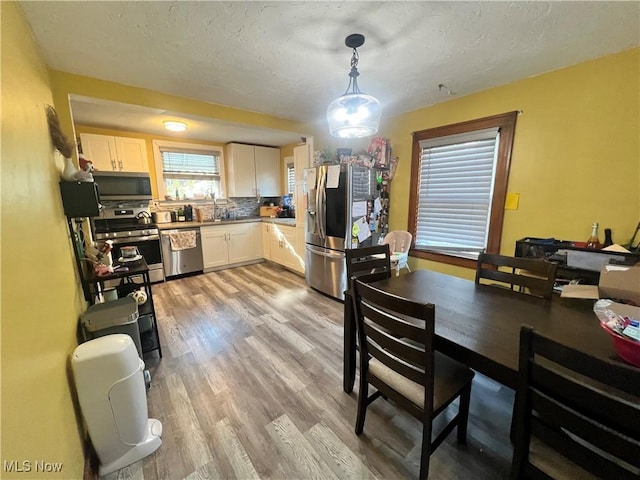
point(380, 150)
point(354, 114)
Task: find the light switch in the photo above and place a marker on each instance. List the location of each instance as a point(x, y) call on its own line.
point(511, 202)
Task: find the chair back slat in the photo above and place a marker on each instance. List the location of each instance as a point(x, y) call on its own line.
point(587, 399)
point(538, 276)
point(602, 370)
point(558, 414)
point(568, 447)
point(591, 421)
point(366, 260)
point(391, 359)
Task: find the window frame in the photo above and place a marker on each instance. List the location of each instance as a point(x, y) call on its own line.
point(506, 123)
point(158, 145)
point(287, 167)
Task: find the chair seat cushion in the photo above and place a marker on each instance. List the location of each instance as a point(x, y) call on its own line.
point(450, 377)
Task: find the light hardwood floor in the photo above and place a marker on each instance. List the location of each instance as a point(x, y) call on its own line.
point(250, 386)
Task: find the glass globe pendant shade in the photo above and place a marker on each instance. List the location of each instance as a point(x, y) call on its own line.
point(354, 115)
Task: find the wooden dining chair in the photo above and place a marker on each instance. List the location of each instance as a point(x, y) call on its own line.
point(374, 260)
point(576, 416)
point(397, 358)
point(531, 276)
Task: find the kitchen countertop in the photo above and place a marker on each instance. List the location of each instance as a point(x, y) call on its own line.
point(179, 225)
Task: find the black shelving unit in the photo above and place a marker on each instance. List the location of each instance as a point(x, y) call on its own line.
point(135, 277)
point(557, 251)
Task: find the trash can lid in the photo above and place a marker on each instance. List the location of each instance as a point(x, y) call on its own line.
point(110, 314)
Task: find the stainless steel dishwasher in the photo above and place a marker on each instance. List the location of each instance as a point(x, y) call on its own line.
point(179, 256)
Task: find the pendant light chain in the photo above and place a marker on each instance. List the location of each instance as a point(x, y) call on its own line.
point(353, 75)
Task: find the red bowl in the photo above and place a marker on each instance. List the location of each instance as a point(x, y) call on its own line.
point(628, 349)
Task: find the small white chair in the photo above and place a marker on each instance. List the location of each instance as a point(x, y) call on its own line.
point(399, 243)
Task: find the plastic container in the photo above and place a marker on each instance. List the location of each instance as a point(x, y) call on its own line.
point(628, 349)
point(117, 316)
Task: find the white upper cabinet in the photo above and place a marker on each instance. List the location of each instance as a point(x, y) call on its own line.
point(115, 154)
point(253, 171)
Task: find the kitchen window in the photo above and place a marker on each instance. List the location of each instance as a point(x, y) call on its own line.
point(291, 179)
point(459, 176)
point(188, 171)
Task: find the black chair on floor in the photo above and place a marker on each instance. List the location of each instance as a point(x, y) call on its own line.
point(375, 263)
point(532, 276)
point(397, 357)
point(576, 416)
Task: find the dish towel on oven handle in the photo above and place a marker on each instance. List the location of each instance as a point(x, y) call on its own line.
point(182, 240)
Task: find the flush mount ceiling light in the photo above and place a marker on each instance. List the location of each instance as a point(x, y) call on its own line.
point(175, 126)
point(354, 114)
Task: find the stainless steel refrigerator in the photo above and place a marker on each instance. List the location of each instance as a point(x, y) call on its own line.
point(347, 207)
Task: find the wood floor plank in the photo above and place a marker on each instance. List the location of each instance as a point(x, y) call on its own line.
point(237, 455)
point(297, 450)
point(344, 463)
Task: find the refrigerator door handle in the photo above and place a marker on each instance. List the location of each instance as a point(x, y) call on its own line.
point(322, 218)
point(324, 253)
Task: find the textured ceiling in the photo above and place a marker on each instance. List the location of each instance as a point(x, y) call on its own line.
point(288, 59)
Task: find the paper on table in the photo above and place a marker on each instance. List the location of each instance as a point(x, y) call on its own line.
point(333, 176)
point(580, 291)
point(359, 209)
point(363, 229)
point(377, 206)
point(615, 248)
point(311, 178)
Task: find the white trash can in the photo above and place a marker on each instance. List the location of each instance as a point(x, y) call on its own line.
point(111, 391)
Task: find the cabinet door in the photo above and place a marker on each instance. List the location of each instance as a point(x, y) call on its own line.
point(275, 241)
point(268, 171)
point(288, 244)
point(214, 246)
point(300, 247)
point(255, 235)
point(266, 240)
point(241, 170)
point(132, 154)
point(239, 243)
point(100, 150)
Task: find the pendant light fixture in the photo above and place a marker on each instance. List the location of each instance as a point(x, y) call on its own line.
point(354, 114)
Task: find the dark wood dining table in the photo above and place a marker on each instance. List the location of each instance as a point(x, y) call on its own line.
point(479, 325)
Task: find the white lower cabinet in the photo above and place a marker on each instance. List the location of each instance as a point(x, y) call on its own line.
point(280, 246)
point(230, 244)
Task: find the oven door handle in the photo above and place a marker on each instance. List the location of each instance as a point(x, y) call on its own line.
point(133, 239)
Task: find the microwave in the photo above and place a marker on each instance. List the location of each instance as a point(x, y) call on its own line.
point(122, 186)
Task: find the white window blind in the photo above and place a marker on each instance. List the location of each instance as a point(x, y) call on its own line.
point(191, 163)
point(291, 178)
point(191, 173)
point(457, 175)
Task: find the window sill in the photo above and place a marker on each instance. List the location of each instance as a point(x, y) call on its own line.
point(444, 258)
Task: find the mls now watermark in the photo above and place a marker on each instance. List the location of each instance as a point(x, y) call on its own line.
point(31, 466)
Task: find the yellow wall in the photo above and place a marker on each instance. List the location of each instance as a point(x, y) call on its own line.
point(576, 156)
point(41, 299)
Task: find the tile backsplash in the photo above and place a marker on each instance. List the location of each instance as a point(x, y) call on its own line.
point(237, 207)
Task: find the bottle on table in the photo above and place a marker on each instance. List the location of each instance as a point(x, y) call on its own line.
point(607, 238)
point(594, 241)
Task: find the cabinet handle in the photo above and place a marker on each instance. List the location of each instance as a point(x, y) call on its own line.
point(113, 164)
point(120, 163)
